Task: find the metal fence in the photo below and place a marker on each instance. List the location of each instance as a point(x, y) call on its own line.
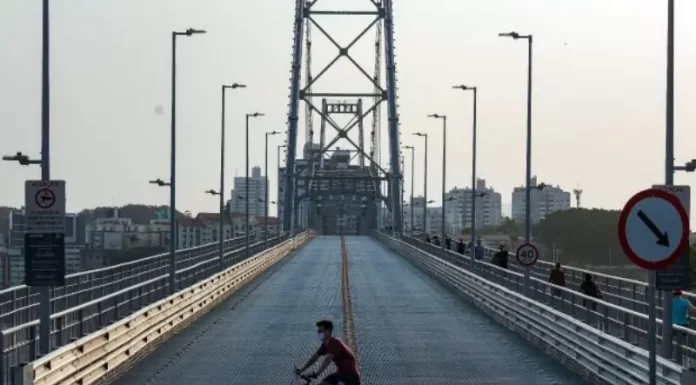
point(608, 314)
point(628, 293)
point(578, 338)
point(94, 299)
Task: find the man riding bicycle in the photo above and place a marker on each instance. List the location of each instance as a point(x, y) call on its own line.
point(335, 350)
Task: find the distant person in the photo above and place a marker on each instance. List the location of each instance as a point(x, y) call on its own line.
point(436, 240)
point(682, 308)
point(460, 246)
point(557, 277)
point(479, 251)
point(500, 258)
point(590, 289)
point(427, 238)
point(448, 243)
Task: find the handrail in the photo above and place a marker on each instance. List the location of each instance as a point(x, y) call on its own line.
point(97, 357)
point(623, 290)
point(84, 314)
point(592, 353)
point(610, 317)
point(126, 264)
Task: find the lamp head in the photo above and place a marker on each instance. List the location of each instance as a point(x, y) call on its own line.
point(513, 35)
point(193, 31)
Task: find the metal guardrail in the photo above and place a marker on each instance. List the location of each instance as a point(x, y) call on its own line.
point(84, 311)
point(592, 353)
point(19, 304)
point(621, 322)
point(98, 356)
point(628, 293)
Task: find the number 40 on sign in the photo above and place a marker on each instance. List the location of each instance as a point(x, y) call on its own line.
point(527, 254)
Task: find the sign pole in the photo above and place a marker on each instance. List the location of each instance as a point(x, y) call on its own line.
point(653, 232)
point(652, 329)
point(44, 292)
point(669, 169)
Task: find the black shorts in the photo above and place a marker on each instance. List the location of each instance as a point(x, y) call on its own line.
point(336, 379)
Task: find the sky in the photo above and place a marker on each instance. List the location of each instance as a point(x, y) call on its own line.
point(598, 111)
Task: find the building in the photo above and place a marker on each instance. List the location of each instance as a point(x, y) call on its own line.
point(257, 194)
point(544, 200)
point(4, 264)
point(417, 208)
point(459, 207)
point(434, 220)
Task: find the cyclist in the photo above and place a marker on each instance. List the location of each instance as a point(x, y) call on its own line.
point(335, 350)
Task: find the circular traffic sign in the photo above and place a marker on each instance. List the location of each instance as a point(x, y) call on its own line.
point(653, 229)
point(527, 254)
point(45, 198)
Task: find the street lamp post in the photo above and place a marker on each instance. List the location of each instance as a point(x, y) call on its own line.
point(527, 203)
point(413, 168)
point(265, 188)
point(222, 169)
point(172, 178)
point(279, 200)
point(473, 167)
point(248, 116)
point(425, 181)
point(669, 180)
point(221, 239)
point(444, 169)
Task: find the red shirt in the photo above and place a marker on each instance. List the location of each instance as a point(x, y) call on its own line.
point(343, 357)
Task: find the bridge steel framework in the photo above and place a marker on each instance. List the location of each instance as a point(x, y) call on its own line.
point(304, 22)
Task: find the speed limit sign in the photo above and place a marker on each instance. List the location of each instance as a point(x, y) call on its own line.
point(527, 254)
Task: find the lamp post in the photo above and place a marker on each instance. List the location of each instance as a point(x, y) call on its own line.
point(280, 202)
point(444, 168)
point(221, 229)
point(172, 177)
point(265, 192)
point(248, 116)
point(473, 165)
point(527, 203)
point(222, 168)
point(413, 168)
point(425, 181)
point(44, 292)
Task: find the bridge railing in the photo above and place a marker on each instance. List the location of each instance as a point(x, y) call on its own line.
point(19, 304)
point(621, 322)
point(628, 293)
point(597, 355)
point(93, 309)
point(100, 357)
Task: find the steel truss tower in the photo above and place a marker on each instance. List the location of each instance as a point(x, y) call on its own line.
point(301, 181)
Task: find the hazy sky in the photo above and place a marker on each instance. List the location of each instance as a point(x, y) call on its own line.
point(598, 93)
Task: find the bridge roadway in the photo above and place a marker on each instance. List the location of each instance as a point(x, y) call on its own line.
point(410, 330)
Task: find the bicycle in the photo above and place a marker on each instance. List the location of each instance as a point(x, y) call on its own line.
point(307, 379)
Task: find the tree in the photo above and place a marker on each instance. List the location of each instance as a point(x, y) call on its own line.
point(584, 236)
point(509, 227)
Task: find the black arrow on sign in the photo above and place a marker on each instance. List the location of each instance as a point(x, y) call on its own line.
point(662, 238)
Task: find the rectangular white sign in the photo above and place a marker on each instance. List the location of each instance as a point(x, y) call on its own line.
point(682, 192)
point(44, 203)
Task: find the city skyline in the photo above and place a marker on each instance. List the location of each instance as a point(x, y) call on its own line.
point(569, 116)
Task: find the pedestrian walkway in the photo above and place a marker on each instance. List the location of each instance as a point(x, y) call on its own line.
point(409, 329)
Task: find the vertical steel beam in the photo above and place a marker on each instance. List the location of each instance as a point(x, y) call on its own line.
point(393, 114)
point(293, 115)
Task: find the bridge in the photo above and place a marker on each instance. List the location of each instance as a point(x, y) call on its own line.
point(414, 313)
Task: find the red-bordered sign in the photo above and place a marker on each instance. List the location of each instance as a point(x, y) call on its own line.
point(45, 198)
point(670, 202)
point(527, 254)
